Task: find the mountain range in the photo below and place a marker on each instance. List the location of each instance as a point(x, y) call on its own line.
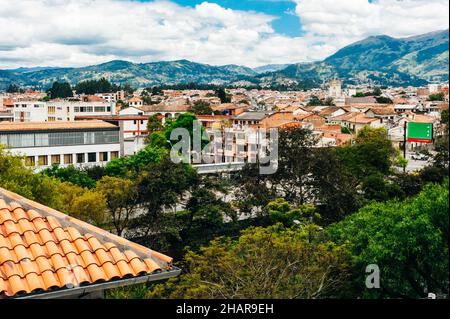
point(381, 60)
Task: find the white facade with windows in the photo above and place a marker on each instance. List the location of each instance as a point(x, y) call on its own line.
point(54, 111)
point(80, 144)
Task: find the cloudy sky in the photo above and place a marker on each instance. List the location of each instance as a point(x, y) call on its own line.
point(245, 32)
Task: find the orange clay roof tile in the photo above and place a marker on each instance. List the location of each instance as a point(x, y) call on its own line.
point(43, 251)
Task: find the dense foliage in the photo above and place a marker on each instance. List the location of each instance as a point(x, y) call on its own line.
point(316, 223)
point(60, 90)
point(408, 241)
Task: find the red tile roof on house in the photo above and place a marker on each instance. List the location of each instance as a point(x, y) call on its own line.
point(382, 111)
point(44, 253)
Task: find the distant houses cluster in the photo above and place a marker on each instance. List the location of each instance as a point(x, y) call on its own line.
point(88, 130)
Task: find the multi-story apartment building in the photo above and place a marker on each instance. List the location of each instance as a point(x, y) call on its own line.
point(57, 110)
point(82, 143)
point(107, 97)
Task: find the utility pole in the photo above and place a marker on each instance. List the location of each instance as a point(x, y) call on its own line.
point(404, 143)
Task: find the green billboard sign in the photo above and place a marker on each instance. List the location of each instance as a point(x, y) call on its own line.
point(420, 132)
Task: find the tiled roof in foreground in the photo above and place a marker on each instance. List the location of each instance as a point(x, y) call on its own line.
point(45, 253)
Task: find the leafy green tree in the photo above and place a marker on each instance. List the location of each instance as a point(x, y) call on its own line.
point(383, 100)
point(83, 203)
point(295, 157)
point(407, 240)
point(15, 177)
point(377, 92)
point(121, 198)
point(70, 174)
point(314, 101)
point(160, 186)
point(371, 154)
point(95, 172)
point(95, 86)
point(254, 193)
point(333, 185)
point(377, 187)
point(185, 121)
point(280, 211)
point(345, 130)
point(201, 108)
point(444, 117)
point(135, 163)
point(401, 162)
point(205, 216)
point(154, 124)
point(436, 97)
point(60, 90)
point(410, 183)
point(272, 262)
point(223, 96)
point(433, 174)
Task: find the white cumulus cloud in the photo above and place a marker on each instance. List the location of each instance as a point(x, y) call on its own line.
point(84, 32)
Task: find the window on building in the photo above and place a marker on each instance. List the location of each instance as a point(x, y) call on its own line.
point(92, 157)
point(29, 161)
point(114, 155)
point(56, 159)
point(42, 160)
point(21, 140)
point(99, 109)
point(103, 156)
point(80, 158)
point(51, 110)
point(41, 139)
point(68, 158)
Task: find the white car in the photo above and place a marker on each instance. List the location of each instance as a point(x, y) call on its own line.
point(419, 157)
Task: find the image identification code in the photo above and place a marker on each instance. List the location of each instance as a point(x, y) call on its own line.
point(227, 308)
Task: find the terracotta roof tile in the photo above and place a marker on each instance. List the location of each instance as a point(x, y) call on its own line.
point(43, 251)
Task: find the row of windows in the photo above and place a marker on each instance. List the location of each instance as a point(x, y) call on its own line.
point(89, 109)
point(77, 109)
point(79, 158)
point(59, 139)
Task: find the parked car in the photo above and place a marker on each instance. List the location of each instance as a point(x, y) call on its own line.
point(419, 157)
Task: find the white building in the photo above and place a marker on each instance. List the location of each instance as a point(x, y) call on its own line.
point(82, 144)
point(58, 110)
point(108, 97)
point(130, 125)
point(433, 88)
point(135, 101)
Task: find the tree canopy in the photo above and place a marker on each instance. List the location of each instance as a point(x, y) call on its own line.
point(408, 241)
point(60, 90)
